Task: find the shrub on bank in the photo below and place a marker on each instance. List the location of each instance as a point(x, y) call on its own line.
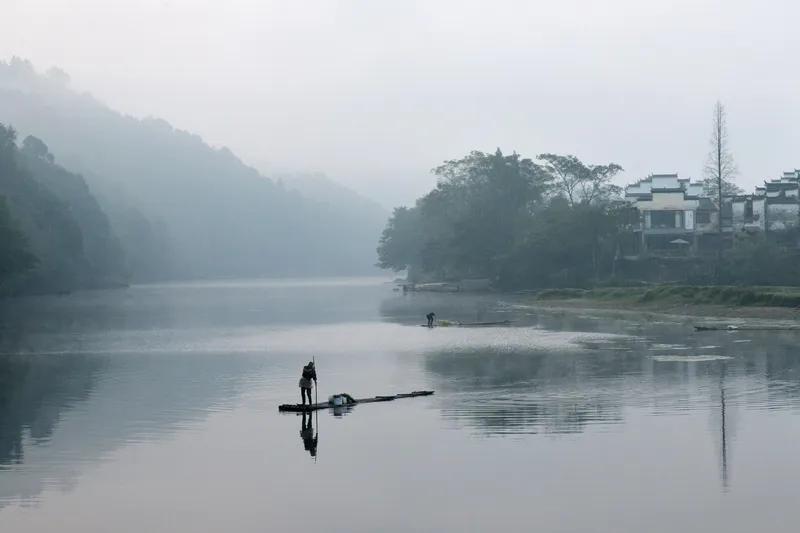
point(688, 294)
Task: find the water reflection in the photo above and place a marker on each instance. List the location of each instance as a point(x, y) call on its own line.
point(523, 392)
point(594, 381)
point(60, 412)
point(84, 375)
point(34, 393)
point(723, 429)
point(341, 410)
point(310, 439)
point(191, 376)
point(652, 364)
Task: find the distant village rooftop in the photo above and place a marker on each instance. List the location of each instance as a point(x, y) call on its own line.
point(674, 215)
point(663, 183)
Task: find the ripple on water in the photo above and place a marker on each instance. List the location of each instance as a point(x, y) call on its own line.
point(518, 414)
point(669, 346)
point(689, 358)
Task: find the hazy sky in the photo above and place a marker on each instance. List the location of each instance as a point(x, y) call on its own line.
point(375, 93)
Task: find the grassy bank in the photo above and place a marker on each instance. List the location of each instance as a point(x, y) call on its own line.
point(672, 295)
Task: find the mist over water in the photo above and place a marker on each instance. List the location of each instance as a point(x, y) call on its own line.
point(147, 407)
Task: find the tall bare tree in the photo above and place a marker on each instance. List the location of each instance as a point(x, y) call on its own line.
point(720, 168)
point(719, 172)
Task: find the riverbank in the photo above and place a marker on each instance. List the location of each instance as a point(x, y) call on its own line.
point(770, 303)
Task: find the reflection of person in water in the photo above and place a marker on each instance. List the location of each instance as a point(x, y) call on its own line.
point(307, 434)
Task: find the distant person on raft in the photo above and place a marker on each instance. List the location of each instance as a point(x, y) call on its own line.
point(309, 373)
point(430, 316)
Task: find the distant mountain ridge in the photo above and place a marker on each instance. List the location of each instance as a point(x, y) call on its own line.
point(318, 187)
point(183, 209)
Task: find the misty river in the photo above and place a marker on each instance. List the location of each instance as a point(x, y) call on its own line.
point(154, 409)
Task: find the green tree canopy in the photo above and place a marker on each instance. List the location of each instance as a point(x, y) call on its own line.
point(578, 182)
point(35, 148)
point(400, 243)
point(15, 257)
point(49, 213)
point(509, 219)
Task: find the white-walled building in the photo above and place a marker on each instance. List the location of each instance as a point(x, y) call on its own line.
point(673, 214)
point(772, 207)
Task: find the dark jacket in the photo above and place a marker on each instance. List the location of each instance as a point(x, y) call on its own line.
point(309, 372)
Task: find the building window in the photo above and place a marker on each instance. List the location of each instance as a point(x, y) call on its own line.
point(703, 217)
point(662, 219)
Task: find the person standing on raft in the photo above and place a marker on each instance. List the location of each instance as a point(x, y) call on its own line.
point(309, 373)
point(430, 316)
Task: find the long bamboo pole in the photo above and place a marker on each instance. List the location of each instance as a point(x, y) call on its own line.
point(316, 400)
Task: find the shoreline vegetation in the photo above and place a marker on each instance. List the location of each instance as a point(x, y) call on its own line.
point(558, 222)
point(709, 302)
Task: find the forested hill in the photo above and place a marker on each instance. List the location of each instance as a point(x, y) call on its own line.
point(54, 236)
point(181, 208)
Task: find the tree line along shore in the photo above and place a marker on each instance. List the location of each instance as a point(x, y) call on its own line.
point(556, 222)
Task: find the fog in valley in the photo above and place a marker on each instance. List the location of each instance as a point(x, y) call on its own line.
point(143, 201)
point(260, 138)
point(375, 94)
point(209, 135)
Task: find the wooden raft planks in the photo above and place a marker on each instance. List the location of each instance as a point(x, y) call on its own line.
point(298, 408)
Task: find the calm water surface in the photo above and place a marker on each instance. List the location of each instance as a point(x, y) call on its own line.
point(155, 409)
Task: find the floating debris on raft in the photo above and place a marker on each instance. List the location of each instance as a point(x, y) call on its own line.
point(298, 407)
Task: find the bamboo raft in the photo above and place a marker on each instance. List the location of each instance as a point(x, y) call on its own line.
point(731, 327)
point(299, 408)
point(451, 324)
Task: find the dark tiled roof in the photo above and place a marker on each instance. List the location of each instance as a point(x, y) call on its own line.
point(665, 189)
point(778, 185)
point(781, 200)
